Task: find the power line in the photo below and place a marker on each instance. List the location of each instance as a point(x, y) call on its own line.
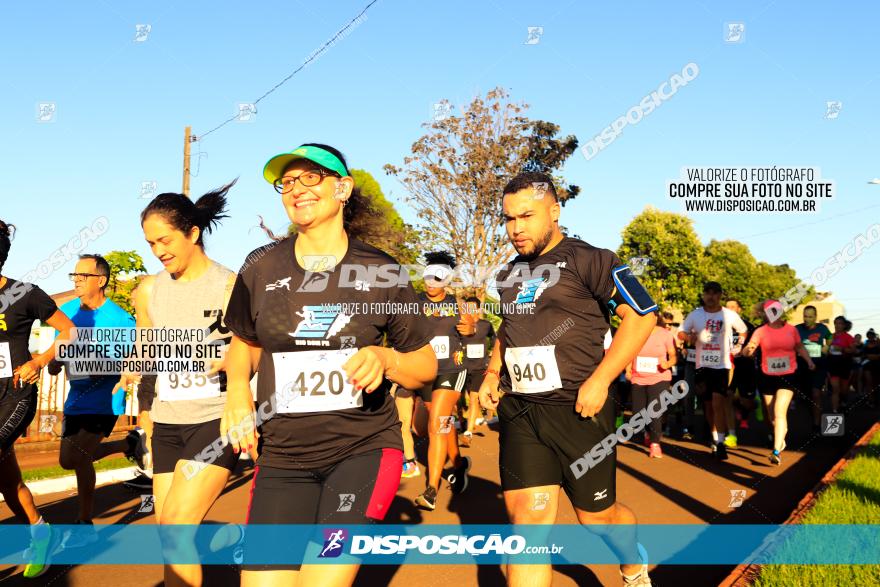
point(814, 222)
point(311, 58)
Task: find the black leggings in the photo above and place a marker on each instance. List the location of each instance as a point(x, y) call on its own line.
point(642, 395)
point(16, 415)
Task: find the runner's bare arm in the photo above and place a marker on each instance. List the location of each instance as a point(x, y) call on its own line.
point(411, 370)
point(630, 338)
point(30, 371)
point(238, 414)
point(801, 350)
point(489, 389)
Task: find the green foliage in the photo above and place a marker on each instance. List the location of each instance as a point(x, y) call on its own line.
point(673, 275)
point(124, 269)
point(679, 264)
point(384, 229)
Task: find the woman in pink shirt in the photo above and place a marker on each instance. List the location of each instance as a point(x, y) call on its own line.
point(780, 345)
point(650, 373)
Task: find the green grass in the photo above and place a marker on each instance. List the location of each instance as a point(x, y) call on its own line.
point(53, 472)
point(854, 498)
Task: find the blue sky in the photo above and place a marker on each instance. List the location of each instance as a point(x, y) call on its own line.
point(121, 107)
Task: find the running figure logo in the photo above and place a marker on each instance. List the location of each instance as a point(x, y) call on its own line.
point(146, 506)
point(737, 496)
point(320, 321)
point(832, 425)
point(334, 540)
point(530, 290)
point(541, 501)
point(285, 283)
point(346, 500)
point(446, 424)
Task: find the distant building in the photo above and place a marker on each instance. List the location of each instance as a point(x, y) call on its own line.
point(827, 309)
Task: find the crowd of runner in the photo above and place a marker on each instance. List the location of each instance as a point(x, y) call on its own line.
point(352, 397)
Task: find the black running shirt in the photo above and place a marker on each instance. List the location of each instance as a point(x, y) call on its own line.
point(476, 351)
point(20, 305)
point(442, 318)
point(552, 335)
point(287, 311)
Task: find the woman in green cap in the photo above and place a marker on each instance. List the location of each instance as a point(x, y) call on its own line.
point(330, 334)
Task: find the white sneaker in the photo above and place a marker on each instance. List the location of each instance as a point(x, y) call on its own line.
point(479, 421)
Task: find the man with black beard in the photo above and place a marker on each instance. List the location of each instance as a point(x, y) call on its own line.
point(557, 296)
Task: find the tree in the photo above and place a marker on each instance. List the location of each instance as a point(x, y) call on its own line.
point(383, 228)
point(456, 173)
point(732, 264)
point(673, 274)
point(124, 269)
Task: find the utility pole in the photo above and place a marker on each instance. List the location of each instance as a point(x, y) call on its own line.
point(187, 139)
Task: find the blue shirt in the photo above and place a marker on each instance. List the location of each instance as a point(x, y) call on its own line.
point(93, 395)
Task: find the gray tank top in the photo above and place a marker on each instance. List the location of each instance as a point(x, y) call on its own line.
point(191, 304)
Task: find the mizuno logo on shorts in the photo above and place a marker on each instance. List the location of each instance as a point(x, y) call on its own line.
point(600, 495)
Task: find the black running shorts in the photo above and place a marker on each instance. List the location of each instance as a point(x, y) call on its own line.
point(189, 442)
point(540, 442)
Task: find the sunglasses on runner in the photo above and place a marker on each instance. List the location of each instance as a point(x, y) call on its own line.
point(308, 179)
point(78, 276)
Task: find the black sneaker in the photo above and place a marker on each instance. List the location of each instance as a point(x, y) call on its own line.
point(137, 446)
point(142, 481)
point(720, 451)
point(458, 479)
point(428, 498)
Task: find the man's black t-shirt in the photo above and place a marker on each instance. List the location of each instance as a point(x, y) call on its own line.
point(552, 335)
point(476, 350)
point(21, 304)
point(287, 310)
point(442, 318)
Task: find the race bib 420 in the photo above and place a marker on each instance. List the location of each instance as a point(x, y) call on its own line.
point(314, 381)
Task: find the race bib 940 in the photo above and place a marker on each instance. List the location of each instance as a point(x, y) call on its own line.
point(532, 369)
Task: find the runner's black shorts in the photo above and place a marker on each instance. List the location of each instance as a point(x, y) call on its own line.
point(17, 411)
point(710, 380)
point(189, 442)
point(453, 380)
point(474, 379)
point(356, 490)
point(744, 380)
point(811, 380)
point(146, 393)
point(539, 442)
point(770, 384)
point(840, 366)
point(95, 423)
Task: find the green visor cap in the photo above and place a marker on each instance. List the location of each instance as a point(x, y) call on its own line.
point(276, 165)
